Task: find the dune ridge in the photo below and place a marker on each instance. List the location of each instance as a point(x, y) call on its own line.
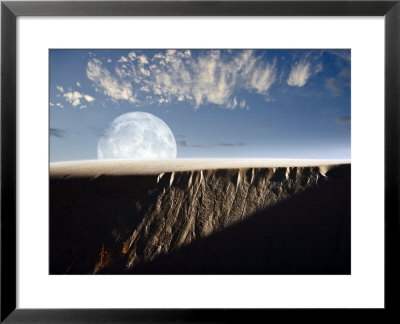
point(150, 167)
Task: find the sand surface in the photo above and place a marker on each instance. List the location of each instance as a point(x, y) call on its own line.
point(95, 168)
point(240, 219)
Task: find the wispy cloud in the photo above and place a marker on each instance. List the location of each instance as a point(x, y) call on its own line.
point(200, 146)
point(57, 132)
point(299, 74)
point(345, 122)
point(176, 76)
point(230, 144)
point(318, 68)
point(342, 119)
point(96, 131)
point(344, 73)
point(75, 97)
point(182, 143)
point(59, 88)
point(338, 83)
point(334, 85)
point(243, 105)
point(342, 54)
point(88, 98)
point(123, 59)
point(111, 86)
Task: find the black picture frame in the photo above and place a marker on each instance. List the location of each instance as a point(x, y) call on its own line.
point(10, 10)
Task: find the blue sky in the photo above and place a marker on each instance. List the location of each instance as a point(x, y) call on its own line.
point(218, 103)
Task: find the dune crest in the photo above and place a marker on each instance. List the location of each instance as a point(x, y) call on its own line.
point(151, 167)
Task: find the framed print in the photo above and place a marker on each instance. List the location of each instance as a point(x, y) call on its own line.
point(172, 199)
point(198, 161)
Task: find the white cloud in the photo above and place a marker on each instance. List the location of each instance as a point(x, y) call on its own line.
point(233, 104)
point(175, 75)
point(268, 99)
point(342, 54)
point(59, 105)
point(123, 59)
point(123, 72)
point(263, 78)
point(111, 86)
point(318, 68)
point(243, 105)
point(210, 78)
point(143, 59)
point(145, 88)
point(88, 98)
point(144, 71)
point(299, 74)
point(132, 55)
point(78, 84)
point(61, 89)
point(74, 98)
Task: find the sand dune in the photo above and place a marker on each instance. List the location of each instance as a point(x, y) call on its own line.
point(309, 233)
point(119, 216)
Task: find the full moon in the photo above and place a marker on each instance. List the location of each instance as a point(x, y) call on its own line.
point(137, 135)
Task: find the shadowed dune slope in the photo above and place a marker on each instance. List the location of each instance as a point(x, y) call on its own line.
point(243, 220)
point(307, 234)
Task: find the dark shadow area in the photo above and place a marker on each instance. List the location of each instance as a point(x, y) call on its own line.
point(83, 213)
point(306, 234)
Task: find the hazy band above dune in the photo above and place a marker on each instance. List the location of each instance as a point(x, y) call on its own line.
point(123, 167)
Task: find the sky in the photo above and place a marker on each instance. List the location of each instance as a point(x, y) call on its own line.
point(268, 103)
